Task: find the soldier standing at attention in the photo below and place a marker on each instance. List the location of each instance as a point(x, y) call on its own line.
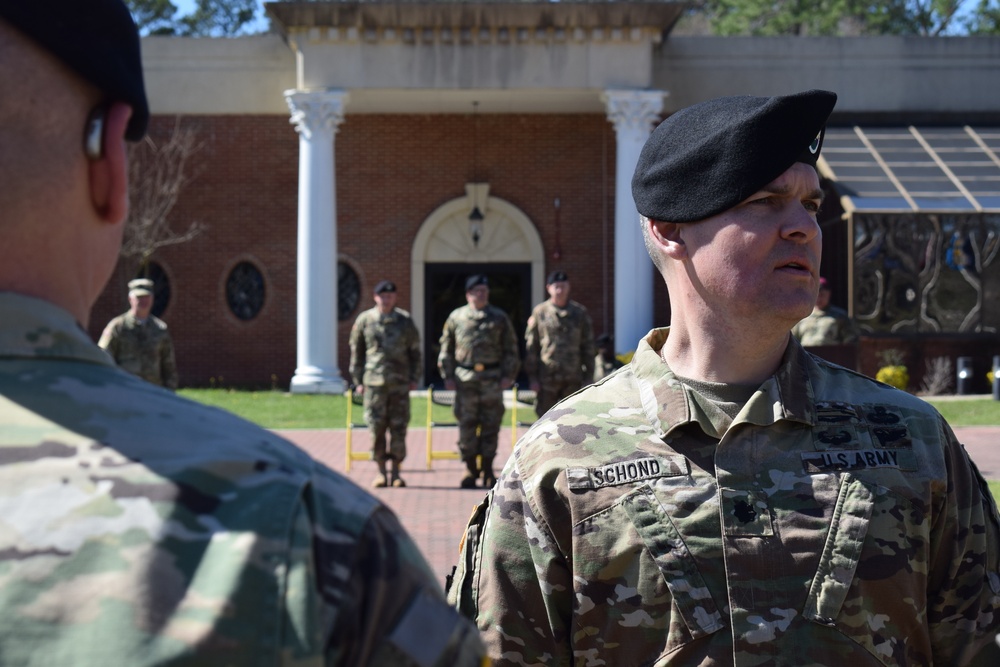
point(605, 363)
point(826, 324)
point(559, 356)
point(138, 341)
point(729, 498)
point(137, 527)
point(385, 365)
point(478, 360)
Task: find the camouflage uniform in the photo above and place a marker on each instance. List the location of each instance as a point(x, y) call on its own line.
point(478, 349)
point(142, 348)
point(836, 521)
point(385, 358)
point(830, 326)
point(559, 352)
point(138, 528)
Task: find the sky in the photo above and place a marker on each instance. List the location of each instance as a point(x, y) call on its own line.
point(187, 6)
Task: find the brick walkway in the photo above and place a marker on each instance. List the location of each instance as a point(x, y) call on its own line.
point(434, 510)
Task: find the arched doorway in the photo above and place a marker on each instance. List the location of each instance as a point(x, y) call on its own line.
point(509, 250)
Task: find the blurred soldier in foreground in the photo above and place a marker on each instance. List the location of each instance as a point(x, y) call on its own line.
point(729, 498)
point(385, 365)
point(826, 324)
point(138, 341)
point(478, 360)
point(605, 363)
point(559, 355)
point(138, 528)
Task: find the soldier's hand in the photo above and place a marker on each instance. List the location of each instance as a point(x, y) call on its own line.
point(359, 389)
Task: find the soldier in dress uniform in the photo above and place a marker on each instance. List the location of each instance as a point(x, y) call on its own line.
point(385, 366)
point(138, 341)
point(478, 360)
point(559, 351)
point(137, 527)
point(729, 498)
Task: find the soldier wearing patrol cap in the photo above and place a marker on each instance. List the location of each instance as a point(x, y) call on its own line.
point(385, 367)
point(478, 360)
point(728, 498)
point(139, 528)
point(138, 341)
point(559, 345)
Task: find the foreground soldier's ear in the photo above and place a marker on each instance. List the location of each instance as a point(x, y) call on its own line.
point(667, 237)
point(108, 167)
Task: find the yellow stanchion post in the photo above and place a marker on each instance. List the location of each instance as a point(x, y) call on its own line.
point(430, 424)
point(350, 428)
point(513, 417)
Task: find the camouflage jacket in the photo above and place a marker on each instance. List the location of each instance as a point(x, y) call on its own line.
point(138, 528)
point(836, 521)
point(559, 342)
point(385, 349)
point(478, 345)
point(832, 326)
point(142, 348)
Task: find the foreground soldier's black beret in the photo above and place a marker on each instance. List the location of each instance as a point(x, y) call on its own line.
point(707, 158)
point(97, 39)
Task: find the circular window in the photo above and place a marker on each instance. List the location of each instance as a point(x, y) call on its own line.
point(161, 287)
point(349, 291)
point(245, 291)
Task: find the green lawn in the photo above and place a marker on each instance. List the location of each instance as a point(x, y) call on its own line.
point(280, 410)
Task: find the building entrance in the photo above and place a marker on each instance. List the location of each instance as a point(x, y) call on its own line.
point(510, 290)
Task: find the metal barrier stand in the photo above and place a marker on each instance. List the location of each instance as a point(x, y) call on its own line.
point(351, 455)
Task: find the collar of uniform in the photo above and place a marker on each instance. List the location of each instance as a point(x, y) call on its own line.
point(668, 403)
point(36, 329)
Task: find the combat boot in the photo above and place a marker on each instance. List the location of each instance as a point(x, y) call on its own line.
point(396, 480)
point(383, 479)
point(469, 481)
point(489, 479)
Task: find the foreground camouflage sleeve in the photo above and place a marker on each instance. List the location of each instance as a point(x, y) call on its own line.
point(379, 603)
point(964, 580)
point(513, 579)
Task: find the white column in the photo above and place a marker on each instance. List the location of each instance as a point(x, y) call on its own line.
point(633, 113)
point(316, 115)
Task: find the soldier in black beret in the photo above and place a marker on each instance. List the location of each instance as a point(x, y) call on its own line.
point(139, 527)
point(755, 503)
point(558, 345)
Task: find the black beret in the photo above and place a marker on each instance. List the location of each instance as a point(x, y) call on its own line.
point(604, 339)
point(385, 286)
point(556, 277)
point(709, 157)
point(97, 39)
point(475, 280)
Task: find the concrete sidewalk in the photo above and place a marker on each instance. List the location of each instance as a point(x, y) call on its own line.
point(435, 511)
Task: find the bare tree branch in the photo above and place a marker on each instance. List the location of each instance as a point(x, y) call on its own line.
point(157, 174)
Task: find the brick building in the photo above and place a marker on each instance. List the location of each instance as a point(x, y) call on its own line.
point(354, 142)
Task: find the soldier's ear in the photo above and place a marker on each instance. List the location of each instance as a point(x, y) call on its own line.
point(108, 169)
point(667, 238)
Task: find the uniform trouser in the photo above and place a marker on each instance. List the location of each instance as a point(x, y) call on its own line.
point(387, 408)
point(479, 410)
point(553, 389)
